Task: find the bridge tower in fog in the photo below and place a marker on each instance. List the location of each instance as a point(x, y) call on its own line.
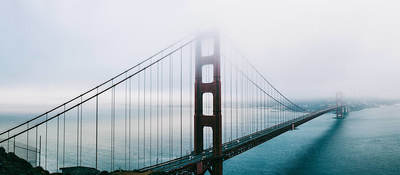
point(213, 88)
point(341, 108)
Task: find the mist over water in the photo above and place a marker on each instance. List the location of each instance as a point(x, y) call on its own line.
point(366, 142)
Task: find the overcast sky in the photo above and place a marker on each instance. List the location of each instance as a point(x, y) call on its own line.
point(53, 50)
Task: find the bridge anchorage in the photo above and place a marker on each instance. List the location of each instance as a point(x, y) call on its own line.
point(160, 116)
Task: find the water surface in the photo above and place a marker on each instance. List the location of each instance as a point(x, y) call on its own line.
point(366, 142)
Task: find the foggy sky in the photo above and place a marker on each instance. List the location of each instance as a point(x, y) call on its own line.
point(53, 50)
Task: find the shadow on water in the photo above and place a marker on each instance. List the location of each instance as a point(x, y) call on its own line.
point(303, 161)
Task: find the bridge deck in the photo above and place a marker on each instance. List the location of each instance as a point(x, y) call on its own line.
point(234, 147)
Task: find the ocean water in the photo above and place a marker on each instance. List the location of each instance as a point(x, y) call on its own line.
point(367, 142)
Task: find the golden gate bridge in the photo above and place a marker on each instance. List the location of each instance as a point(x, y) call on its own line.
point(184, 110)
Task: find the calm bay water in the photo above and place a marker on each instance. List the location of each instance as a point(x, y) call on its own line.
point(143, 145)
point(366, 142)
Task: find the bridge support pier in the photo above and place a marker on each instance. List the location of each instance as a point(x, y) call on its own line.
point(201, 120)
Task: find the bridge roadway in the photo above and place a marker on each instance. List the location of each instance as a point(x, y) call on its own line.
point(189, 163)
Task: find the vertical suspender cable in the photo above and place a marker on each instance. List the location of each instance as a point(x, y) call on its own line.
point(231, 106)
point(276, 116)
point(36, 143)
point(255, 103)
point(144, 118)
point(130, 122)
point(171, 135)
point(27, 141)
point(237, 105)
point(255, 92)
point(64, 138)
point(284, 110)
point(161, 110)
point(252, 106)
point(8, 142)
point(259, 112)
point(77, 135)
point(138, 122)
point(261, 108)
point(113, 130)
point(257, 107)
point(272, 112)
point(246, 108)
point(267, 98)
point(276, 106)
point(58, 135)
point(40, 150)
point(45, 155)
point(169, 106)
point(126, 118)
point(181, 104)
point(158, 112)
point(151, 117)
point(264, 111)
point(242, 106)
point(268, 107)
point(80, 148)
point(112, 127)
point(280, 111)
point(97, 125)
point(191, 115)
point(150, 112)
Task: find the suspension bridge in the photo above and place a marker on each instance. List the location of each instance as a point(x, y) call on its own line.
point(184, 110)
